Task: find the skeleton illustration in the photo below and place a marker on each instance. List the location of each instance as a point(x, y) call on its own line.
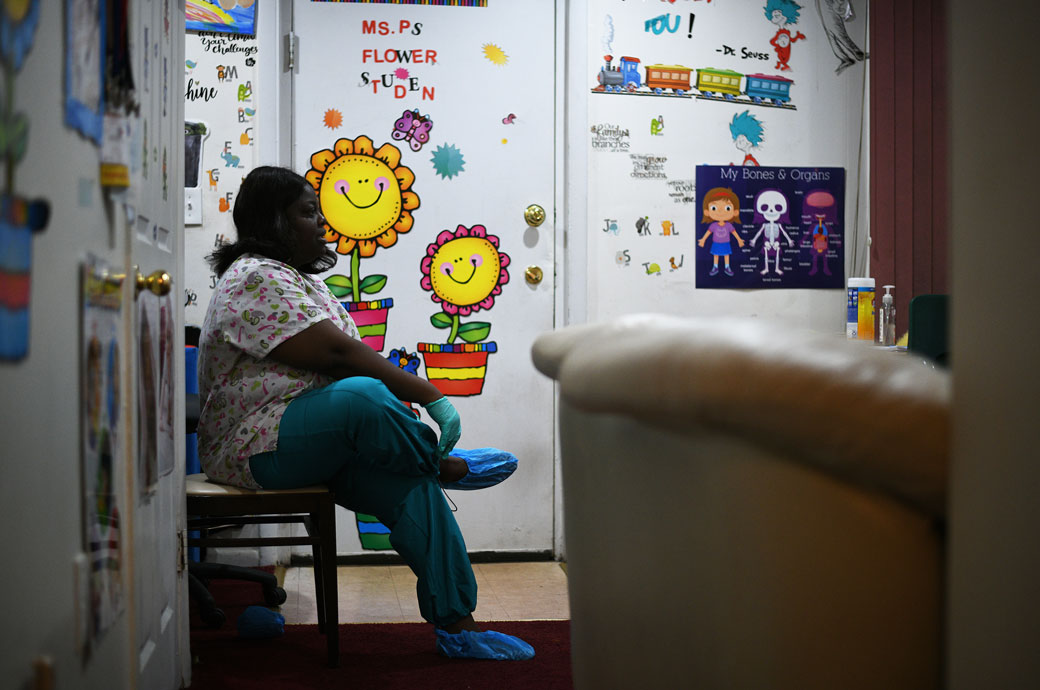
point(771, 207)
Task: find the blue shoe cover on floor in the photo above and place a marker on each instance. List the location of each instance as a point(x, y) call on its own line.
point(257, 623)
point(487, 467)
point(483, 645)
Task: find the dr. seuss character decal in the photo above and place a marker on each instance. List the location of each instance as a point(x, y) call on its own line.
point(464, 270)
point(367, 199)
point(781, 13)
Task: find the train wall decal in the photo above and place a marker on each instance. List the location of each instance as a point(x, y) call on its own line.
point(675, 81)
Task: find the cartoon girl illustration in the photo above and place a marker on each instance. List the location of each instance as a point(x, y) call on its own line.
point(782, 13)
point(722, 208)
point(747, 135)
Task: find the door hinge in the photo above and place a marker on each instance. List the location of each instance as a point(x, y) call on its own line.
point(182, 550)
point(291, 44)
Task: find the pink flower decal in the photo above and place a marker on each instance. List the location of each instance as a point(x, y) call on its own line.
point(464, 270)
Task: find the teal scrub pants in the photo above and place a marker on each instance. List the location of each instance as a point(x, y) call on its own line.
point(377, 458)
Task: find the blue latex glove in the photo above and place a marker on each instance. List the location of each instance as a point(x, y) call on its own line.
point(447, 418)
point(483, 645)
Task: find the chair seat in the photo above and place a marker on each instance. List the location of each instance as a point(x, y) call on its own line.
point(200, 485)
point(211, 505)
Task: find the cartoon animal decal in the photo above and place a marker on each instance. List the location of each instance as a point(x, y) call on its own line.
point(413, 128)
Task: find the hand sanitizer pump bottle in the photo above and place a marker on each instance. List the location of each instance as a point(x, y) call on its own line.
point(887, 326)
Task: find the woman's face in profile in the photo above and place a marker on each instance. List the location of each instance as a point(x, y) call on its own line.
point(307, 222)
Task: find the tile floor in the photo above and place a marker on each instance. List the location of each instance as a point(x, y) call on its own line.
point(386, 593)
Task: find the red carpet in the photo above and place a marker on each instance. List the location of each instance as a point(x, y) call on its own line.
point(375, 656)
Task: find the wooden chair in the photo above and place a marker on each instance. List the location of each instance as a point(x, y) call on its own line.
point(210, 505)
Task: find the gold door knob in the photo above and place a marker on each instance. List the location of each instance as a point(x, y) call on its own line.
point(534, 215)
point(533, 275)
point(159, 283)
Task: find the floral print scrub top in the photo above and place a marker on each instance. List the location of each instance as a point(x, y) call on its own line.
point(258, 304)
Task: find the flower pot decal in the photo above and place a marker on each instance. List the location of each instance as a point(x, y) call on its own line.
point(367, 200)
point(20, 218)
point(464, 270)
point(373, 534)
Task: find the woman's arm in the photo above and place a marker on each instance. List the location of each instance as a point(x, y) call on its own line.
point(326, 349)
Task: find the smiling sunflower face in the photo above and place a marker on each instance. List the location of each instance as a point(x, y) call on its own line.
point(465, 269)
point(365, 195)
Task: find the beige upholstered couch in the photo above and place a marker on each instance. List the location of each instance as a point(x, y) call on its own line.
point(749, 506)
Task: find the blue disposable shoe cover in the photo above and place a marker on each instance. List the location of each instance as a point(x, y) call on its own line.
point(483, 645)
point(487, 467)
point(257, 622)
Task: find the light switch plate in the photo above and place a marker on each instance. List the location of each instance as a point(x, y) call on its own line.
point(193, 206)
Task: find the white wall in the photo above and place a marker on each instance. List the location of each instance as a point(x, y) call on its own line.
point(823, 131)
point(589, 286)
point(994, 616)
point(257, 63)
point(257, 60)
point(40, 494)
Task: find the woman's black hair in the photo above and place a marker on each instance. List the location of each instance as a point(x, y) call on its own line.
point(260, 218)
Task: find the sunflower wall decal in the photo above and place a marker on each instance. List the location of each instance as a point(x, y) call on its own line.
point(367, 199)
point(19, 217)
point(464, 270)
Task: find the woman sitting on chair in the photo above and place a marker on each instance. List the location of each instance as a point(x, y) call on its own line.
point(292, 397)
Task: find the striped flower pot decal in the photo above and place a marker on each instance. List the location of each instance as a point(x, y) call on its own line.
point(463, 270)
point(374, 535)
point(457, 369)
point(370, 318)
point(19, 219)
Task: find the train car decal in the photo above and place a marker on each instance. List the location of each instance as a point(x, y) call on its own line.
point(630, 77)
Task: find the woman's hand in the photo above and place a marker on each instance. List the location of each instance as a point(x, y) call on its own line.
point(447, 418)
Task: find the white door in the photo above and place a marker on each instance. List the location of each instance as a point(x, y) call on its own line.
point(156, 340)
point(428, 130)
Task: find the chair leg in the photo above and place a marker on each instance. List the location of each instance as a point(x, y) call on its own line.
point(209, 612)
point(313, 526)
point(327, 538)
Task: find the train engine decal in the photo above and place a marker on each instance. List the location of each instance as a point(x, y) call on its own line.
point(632, 78)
